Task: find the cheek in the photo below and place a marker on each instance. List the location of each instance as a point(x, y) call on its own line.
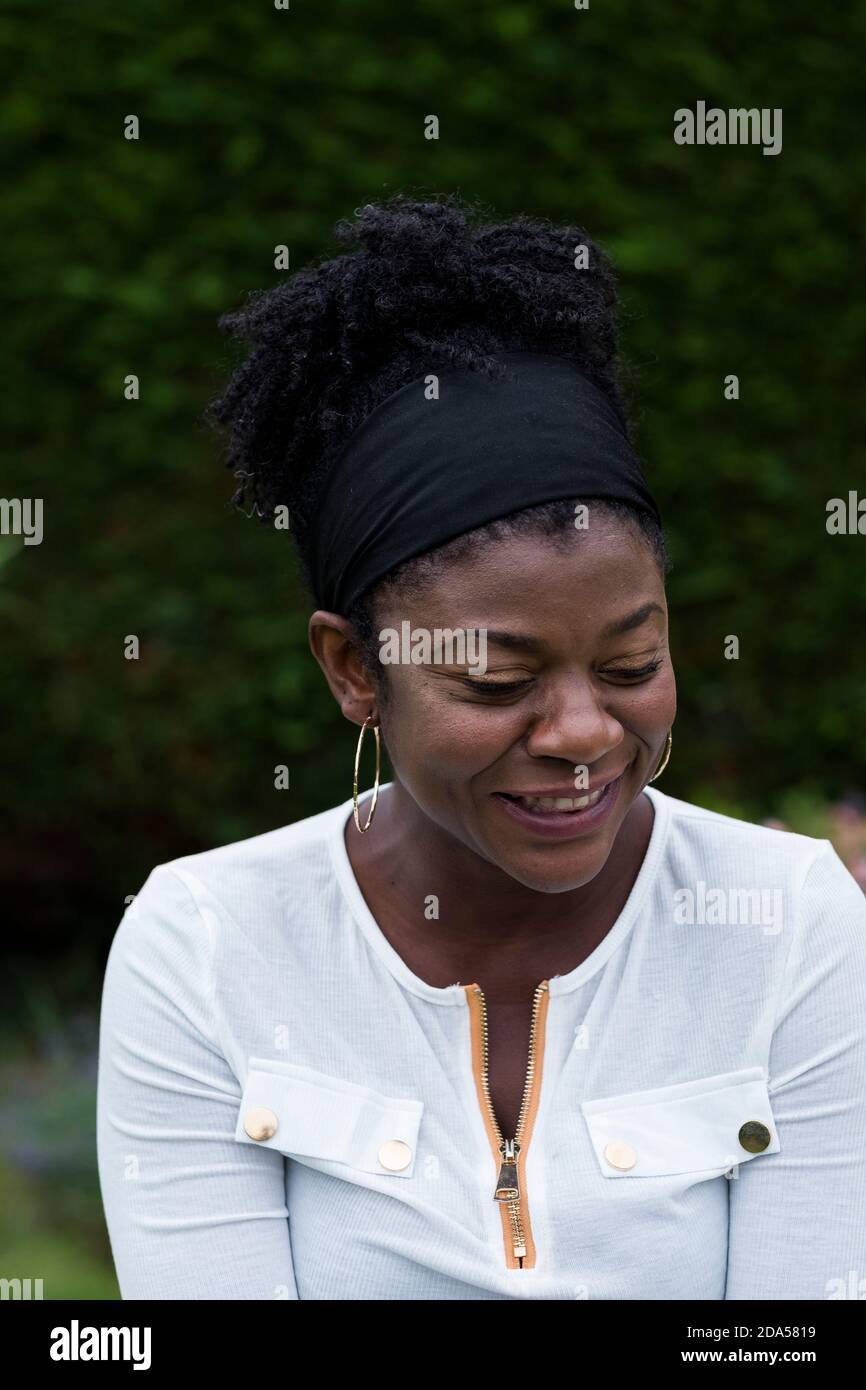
point(652, 710)
point(444, 738)
point(652, 706)
point(666, 697)
point(646, 711)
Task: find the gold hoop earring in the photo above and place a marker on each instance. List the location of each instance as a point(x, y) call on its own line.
point(664, 762)
point(375, 728)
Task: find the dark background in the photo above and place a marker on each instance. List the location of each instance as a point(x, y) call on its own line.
point(261, 127)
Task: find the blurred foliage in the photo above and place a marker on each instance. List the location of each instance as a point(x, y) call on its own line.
point(51, 1222)
point(261, 127)
point(34, 1246)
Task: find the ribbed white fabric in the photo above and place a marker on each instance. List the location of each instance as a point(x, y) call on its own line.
point(254, 975)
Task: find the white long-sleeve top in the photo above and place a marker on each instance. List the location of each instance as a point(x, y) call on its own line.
point(286, 1111)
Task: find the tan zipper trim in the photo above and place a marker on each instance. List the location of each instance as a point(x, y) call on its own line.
point(529, 1123)
point(530, 1100)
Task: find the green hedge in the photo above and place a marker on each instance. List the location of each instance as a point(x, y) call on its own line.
point(260, 127)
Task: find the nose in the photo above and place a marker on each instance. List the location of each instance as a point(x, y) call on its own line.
point(573, 726)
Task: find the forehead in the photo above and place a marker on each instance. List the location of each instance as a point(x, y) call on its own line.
point(533, 582)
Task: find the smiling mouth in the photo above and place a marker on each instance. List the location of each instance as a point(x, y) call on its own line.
point(557, 804)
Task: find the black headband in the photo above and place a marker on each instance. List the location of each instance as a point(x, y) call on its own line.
point(418, 472)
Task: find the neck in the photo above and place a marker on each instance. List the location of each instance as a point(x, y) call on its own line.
point(406, 858)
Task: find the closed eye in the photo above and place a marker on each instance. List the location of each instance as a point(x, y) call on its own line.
point(495, 687)
point(633, 672)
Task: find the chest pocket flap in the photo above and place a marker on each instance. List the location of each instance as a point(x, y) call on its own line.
point(713, 1122)
point(304, 1112)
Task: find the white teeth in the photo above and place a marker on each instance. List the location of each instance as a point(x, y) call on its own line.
point(561, 803)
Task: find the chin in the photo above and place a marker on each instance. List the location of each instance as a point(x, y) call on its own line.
point(571, 873)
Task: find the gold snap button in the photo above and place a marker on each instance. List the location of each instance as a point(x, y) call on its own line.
point(620, 1155)
point(261, 1123)
point(395, 1155)
point(754, 1136)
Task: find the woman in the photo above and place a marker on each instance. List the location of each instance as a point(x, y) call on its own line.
point(518, 1024)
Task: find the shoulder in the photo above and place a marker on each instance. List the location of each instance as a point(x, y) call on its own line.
point(300, 841)
point(211, 935)
point(292, 859)
point(772, 925)
point(247, 890)
point(712, 839)
point(723, 865)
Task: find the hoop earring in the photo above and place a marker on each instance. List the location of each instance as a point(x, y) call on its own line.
point(375, 728)
point(664, 762)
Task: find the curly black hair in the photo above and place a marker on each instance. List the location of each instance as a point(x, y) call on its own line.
point(425, 285)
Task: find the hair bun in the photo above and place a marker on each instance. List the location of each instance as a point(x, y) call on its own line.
point(420, 284)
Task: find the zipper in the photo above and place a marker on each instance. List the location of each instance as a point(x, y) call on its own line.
point(510, 1154)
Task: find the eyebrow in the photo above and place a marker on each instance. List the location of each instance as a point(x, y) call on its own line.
point(633, 620)
point(518, 641)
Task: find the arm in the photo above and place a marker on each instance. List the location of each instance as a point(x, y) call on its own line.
point(191, 1213)
point(798, 1221)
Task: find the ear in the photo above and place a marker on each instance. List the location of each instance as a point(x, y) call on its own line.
point(335, 647)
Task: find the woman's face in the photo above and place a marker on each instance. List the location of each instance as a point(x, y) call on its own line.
point(578, 677)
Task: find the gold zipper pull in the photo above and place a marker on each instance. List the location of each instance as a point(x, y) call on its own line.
point(507, 1186)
